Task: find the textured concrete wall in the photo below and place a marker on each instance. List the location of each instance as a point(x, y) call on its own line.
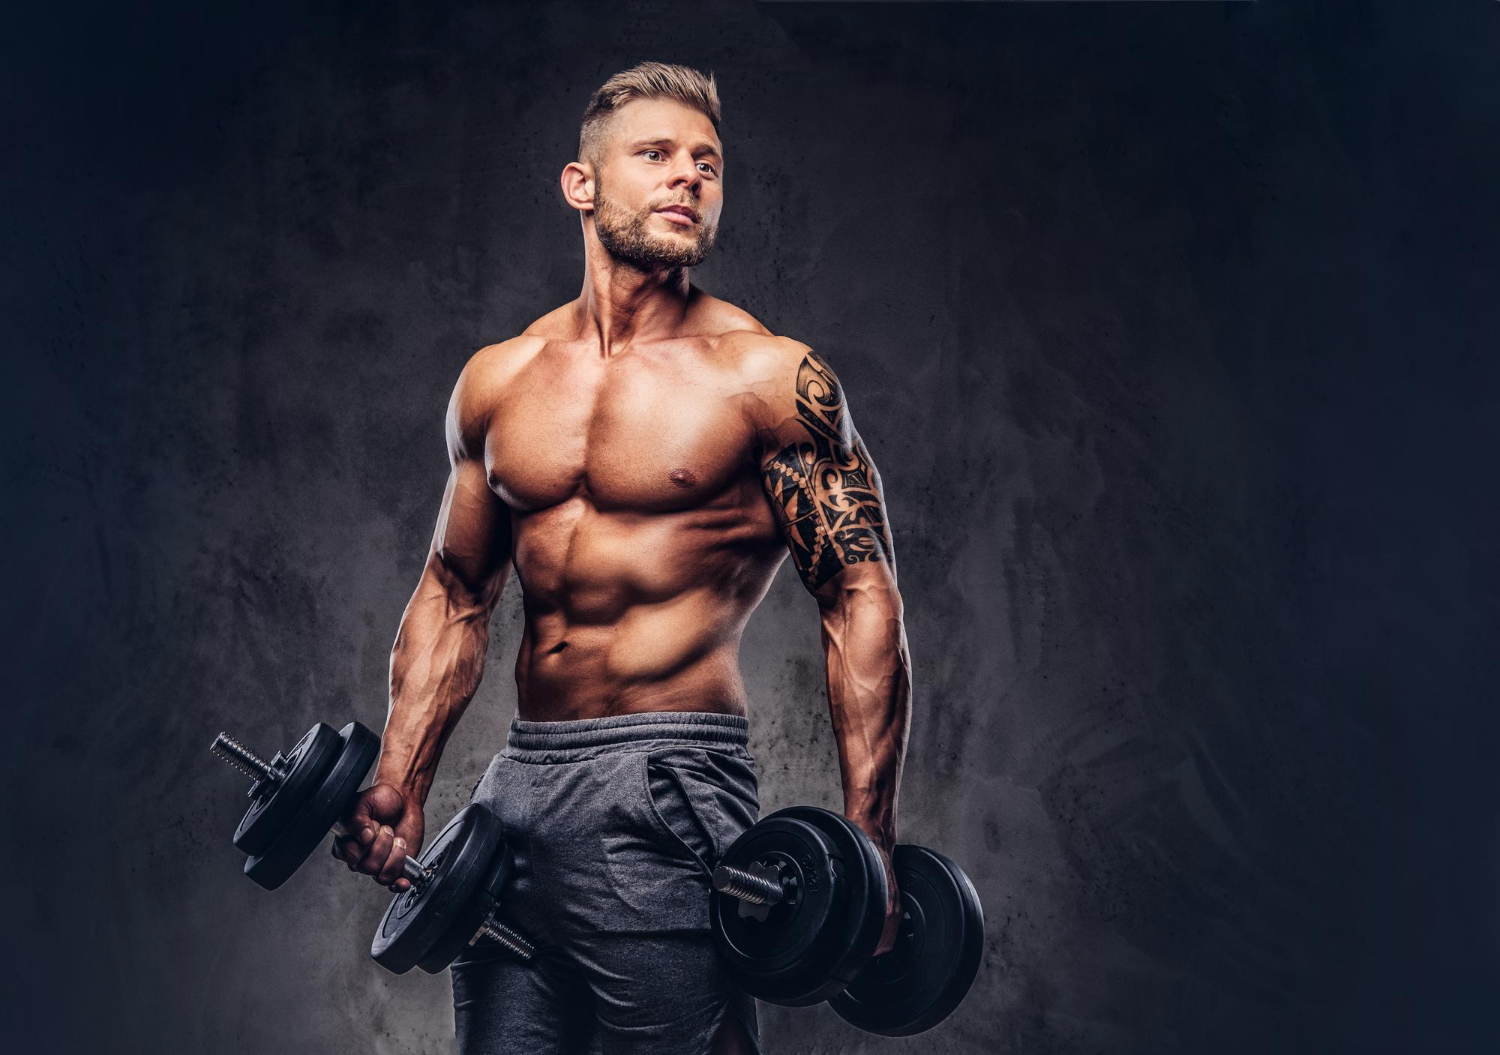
point(1169, 325)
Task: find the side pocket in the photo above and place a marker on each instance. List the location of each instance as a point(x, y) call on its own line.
point(681, 808)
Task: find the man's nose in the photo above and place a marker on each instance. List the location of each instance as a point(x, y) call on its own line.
point(685, 174)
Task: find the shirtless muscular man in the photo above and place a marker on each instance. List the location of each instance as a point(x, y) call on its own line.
point(645, 456)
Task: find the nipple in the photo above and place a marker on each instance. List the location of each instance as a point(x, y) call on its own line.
point(682, 477)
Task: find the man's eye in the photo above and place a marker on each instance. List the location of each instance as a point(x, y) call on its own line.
point(710, 168)
point(648, 153)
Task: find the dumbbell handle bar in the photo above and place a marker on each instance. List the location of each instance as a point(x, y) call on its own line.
point(258, 769)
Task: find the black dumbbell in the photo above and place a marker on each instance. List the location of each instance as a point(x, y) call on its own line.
point(798, 908)
point(299, 797)
point(465, 868)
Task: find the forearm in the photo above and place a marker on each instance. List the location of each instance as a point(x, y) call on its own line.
point(869, 695)
point(436, 665)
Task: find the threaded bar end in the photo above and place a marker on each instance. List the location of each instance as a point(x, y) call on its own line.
point(242, 758)
point(503, 935)
point(747, 886)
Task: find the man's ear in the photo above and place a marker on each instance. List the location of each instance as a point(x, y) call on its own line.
point(578, 185)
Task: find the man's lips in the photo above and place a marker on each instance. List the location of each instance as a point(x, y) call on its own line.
point(679, 214)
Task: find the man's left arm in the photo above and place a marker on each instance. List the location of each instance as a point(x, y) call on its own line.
point(826, 494)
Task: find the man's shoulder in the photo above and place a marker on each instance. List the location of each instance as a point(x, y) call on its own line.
point(777, 374)
point(494, 364)
point(734, 333)
point(722, 320)
point(489, 368)
point(771, 364)
point(482, 380)
point(505, 355)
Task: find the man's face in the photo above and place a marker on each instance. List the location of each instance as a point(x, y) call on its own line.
point(658, 186)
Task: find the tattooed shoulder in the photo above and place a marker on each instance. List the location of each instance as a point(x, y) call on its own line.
point(822, 486)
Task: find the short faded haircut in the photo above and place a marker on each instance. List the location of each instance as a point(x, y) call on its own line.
point(648, 80)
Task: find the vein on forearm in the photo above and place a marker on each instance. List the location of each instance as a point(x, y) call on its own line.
point(869, 695)
point(436, 666)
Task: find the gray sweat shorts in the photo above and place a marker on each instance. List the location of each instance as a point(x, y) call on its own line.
point(616, 824)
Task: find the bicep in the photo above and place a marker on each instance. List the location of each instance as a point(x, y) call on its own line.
point(472, 537)
point(471, 543)
point(822, 484)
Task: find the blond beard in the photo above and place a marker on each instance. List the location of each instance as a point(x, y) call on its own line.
point(625, 237)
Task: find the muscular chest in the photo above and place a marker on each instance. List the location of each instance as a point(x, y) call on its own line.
point(639, 433)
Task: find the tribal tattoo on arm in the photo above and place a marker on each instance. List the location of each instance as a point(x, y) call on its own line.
point(824, 489)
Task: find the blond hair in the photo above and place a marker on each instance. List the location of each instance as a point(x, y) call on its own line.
point(647, 80)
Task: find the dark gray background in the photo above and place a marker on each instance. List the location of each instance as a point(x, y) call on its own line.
point(1171, 327)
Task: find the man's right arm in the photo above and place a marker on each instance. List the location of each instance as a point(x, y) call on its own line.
point(438, 658)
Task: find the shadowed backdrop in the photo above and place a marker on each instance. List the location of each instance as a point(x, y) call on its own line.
point(1170, 327)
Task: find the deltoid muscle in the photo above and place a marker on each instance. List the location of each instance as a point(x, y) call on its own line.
point(821, 488)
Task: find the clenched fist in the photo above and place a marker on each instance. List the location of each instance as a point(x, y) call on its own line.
point(385, 824)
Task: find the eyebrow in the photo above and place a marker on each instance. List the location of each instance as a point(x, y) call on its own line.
point(701, 150)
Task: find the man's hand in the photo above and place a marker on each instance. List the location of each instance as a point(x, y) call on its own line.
point(892, 907)
point(385, 825)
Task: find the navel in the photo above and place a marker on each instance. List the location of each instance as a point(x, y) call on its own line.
point(683, 477)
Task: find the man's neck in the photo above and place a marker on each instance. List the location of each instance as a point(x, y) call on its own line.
point(621, 304)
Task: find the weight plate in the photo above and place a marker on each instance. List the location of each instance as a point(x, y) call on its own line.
point(790, 957)
point(774, 958)
point(864, 876)
point(419, 919)
point(486, 899)
point(275, 804)
point(302, 834)
point(919, 983)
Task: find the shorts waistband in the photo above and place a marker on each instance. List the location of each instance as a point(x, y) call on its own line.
point(582, 738)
